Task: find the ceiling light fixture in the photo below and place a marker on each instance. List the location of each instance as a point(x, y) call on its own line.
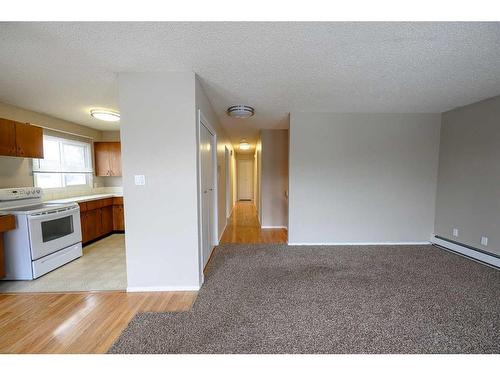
point(240, 111)
point(244, 145)
point(105, 115)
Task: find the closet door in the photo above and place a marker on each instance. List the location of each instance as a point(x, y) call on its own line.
point(207, 168)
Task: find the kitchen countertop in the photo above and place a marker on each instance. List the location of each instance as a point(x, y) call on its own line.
point(85, 198)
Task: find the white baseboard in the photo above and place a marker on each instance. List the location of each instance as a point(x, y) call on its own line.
point(274, 227)
point(221, 234)
point(230, 213)
point(466, 251)
point(133, 289)
point(357, 243)
point(223, 230)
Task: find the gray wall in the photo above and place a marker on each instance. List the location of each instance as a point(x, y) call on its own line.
point(158, 133)
point(362, 178)
point(274, 180)
point(468, 194)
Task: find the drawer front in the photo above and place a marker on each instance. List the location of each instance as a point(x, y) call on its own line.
point(83, 206)
point(50, 262)
point(117, 201)
point(106, 202)
point(94, 205)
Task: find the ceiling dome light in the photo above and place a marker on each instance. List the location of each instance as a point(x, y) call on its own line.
point(240, 111)
point(105, 115)
point(244, 145)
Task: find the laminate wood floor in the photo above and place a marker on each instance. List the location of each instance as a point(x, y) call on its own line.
point(244, 227)
point(76, 322)
point(89, 322)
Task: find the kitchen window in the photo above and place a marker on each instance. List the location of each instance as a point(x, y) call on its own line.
point(66, 163)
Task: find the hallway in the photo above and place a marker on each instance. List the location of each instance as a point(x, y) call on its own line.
point(244, 227)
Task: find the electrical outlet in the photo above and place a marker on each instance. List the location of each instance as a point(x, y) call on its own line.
point(455, 232)
point(484, 241)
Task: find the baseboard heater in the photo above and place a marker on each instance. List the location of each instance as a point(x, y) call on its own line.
point(467, 251)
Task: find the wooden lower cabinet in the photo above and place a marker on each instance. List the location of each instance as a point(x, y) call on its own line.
point(90, 227)
point(118, 218)
point(100, 217)
point(7, 222)
point(106, 219)
point(83, 222)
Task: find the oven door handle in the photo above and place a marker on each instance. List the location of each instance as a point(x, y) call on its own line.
point(55, 212)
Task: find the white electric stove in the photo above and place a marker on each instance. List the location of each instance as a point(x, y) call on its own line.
point(47, 235)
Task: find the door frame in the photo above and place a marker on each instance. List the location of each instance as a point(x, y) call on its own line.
point(202, 121)
point(227, 171)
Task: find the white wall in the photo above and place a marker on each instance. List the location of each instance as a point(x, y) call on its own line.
point(158, 134)
point(362, 178)
point(274, 179)
point(203, 103)
point(468, 194)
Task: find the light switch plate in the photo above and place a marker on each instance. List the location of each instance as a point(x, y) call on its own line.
point(455, 232)
point(140, 179)
point(484, 241)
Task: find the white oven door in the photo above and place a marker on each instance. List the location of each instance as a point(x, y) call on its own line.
point(54, 230)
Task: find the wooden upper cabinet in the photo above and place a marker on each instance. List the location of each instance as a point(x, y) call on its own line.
point(18, 139)
point(108, 159)
point(101, 158)
point(29, 141)
point(7, 137)
point(115, 158)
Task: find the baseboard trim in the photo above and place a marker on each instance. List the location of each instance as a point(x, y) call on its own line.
point(466, 251)
point(221, 234)
point(357, 243)
point(274, 227)
point(230, 213)
point(133, 289)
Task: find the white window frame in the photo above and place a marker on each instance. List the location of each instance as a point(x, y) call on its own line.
point(88, 170)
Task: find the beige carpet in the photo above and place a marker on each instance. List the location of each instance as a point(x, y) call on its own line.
point(102, 267)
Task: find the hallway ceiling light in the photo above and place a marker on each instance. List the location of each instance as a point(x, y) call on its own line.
point(240, 111)
point(105, 115)
point(244, 145)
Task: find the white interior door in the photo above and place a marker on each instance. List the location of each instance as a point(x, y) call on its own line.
point(245, 179)
point(207, 184)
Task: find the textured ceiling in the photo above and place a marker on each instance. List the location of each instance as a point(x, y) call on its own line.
point(63, 69)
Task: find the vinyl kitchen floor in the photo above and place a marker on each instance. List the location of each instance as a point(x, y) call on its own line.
point(102, 267)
